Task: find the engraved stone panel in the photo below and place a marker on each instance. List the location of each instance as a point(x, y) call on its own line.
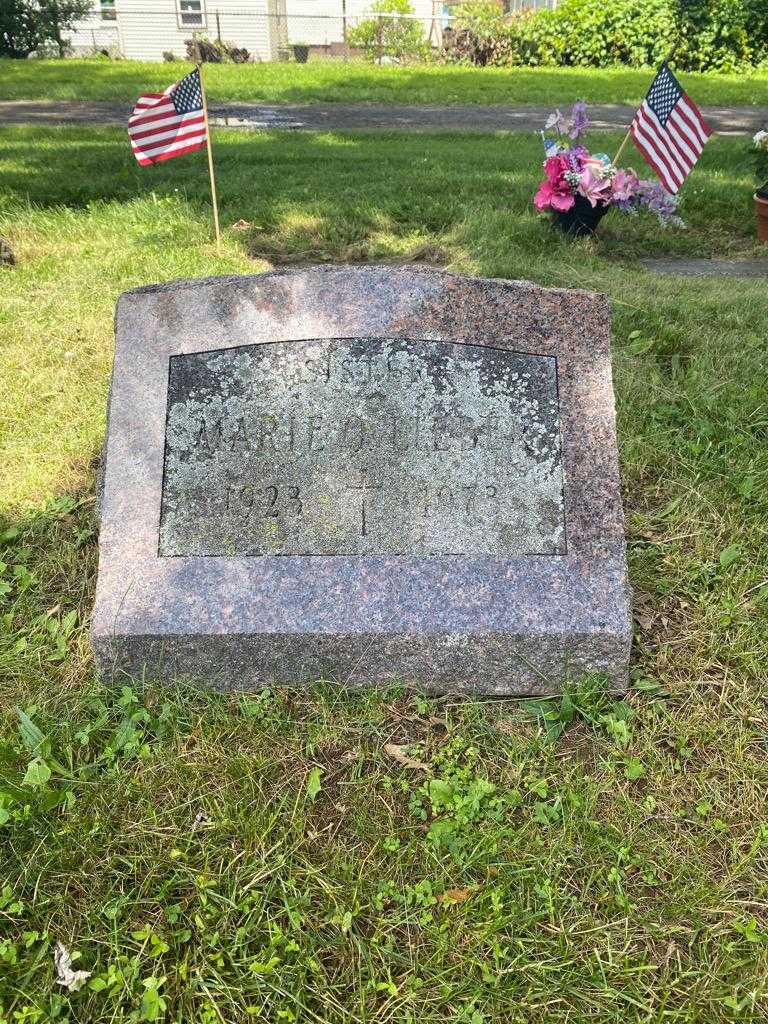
point(362, 446)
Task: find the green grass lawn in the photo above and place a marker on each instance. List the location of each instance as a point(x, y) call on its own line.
point(228, 858)
point(356, 82)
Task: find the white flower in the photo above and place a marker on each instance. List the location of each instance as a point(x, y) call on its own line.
point(556, 121)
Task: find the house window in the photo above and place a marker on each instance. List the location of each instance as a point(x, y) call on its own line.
point(191, 13)
point(108, 12)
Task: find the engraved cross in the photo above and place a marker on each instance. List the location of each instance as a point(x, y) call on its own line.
point(364, 487)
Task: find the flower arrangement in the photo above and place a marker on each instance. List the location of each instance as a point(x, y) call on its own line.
point(577, 181)
point(760, 158)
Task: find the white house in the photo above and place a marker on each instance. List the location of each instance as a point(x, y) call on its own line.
point(147, 29)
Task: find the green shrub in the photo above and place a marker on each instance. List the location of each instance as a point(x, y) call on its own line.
point(27, 25)
point(757, 28)
point(714, 35)
point(591, 33)
point(483, 17)
point(707, 35)
point(396, 38)
point(482, 34)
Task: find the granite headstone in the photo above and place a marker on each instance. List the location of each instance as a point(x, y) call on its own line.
point(370, 475)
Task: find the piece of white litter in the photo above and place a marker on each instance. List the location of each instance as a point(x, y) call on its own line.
point(71, 980)
point(201, 818)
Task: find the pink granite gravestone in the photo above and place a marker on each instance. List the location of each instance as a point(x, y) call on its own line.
point(369, 475)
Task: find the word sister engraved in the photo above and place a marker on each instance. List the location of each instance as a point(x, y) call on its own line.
point(362, 446)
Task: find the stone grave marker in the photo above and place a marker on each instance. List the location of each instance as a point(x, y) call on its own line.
point(369, 475)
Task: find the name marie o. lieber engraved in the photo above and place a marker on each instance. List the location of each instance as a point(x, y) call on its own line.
point(362, 446)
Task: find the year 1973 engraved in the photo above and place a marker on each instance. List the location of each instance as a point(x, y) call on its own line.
point(473, 497)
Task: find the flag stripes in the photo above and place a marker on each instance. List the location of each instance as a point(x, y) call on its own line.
point(168, 124)
point(186, 144)
point(167, 129)
point(669, 130)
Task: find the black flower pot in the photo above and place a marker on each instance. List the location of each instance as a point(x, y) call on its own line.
point(582, 218)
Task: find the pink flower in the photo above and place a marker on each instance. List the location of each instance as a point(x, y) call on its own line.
point(594, 188)
point(552, 197)
point(554, 168)
point(624, 186)
point(554, 192)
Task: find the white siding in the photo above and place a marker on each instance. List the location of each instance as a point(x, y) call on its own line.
point(148, 28)
point(145, 29)
point(93, 32)
point(320, 22)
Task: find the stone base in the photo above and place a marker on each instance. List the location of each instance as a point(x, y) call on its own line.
point(492, 664)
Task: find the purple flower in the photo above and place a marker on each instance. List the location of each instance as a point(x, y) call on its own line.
point(579, 120)
point(663, 204)
point(576, 156)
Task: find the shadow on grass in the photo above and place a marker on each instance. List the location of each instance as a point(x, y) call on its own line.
point(349, 198)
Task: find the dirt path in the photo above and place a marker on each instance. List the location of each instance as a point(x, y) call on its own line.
point(364, 117)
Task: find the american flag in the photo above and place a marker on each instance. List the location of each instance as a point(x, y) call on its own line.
point(166, 124)
point(669, 130)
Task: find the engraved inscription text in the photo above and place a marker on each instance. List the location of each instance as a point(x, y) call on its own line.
point(362, 446)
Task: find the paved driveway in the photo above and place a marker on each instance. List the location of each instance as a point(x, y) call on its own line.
point(366, 117)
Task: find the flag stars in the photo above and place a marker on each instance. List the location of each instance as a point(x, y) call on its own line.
point(664, 94)
point(188, 95)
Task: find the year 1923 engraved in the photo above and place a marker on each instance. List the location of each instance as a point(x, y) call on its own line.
point(269, 501)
